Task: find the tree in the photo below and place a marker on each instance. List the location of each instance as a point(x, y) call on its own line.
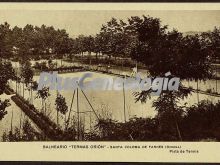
point(3, 105)
point(26, 43)
point(113, 38)
point(43, 94)
point(81, 43)
point(89, 44)
point(17, 38)
point(61, 106)
point(48, 37)
point(62, 42)
point(28, 134)
point(170, 113)
point(5, 41)
point(213, 40)
point(164, 52)
point(27, 74)
point(201, 122)
point(6, 73)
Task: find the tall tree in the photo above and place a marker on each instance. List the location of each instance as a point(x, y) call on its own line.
point(61, 106)
point(27, 74)
point(6, 73)
point(44, 93)
point(113, 38)
point(163, 52)
point(5, 41)
point(62, 42)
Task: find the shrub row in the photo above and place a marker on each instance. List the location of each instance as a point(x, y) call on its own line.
point(44, 123)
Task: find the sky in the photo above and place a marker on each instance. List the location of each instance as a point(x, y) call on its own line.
point(90, 22)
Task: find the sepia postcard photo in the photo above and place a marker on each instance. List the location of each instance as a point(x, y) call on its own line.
point(113, 74)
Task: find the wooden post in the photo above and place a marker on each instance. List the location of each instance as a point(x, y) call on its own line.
point(197, 90)
point(16, 82)
point(216, 79)
point(78, 116)
point(124, 103)
point(23, 89)
point(12, 121)
point(90, 122)
point(70, 109)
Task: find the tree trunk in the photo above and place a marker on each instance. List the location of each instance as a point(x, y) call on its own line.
point(175, 119)
point(42, 109)
point(96, 56)
point(16, 87)
point(12, 121)
point(31, 94)
point(58, 118)
point(90, 122)
point(78, 115)
point(20, 122)
point(68, 119)
point(65, 120)
point(45, 108)
point(124, 103)
point(178, 130)
point(216, 79)
point(197, 90)
point(23, 90)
